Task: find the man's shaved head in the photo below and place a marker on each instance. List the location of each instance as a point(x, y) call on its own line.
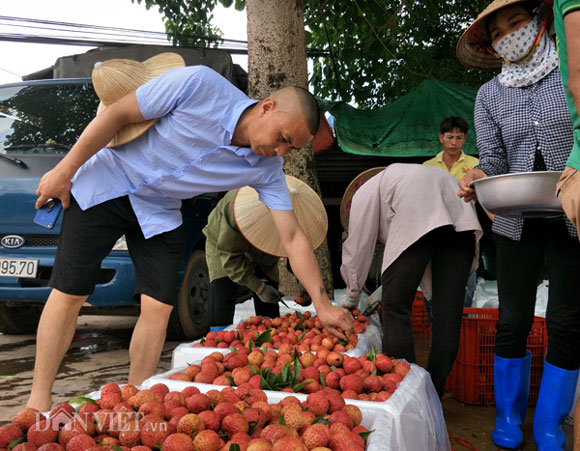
point(295, 100)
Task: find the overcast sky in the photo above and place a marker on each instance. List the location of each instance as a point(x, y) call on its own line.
point(23, 58)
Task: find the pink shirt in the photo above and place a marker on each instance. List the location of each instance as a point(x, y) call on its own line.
point(397, 207)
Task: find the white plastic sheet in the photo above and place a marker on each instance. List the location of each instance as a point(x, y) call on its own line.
point(410, 420)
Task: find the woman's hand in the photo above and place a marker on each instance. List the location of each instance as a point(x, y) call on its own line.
point(467, 193)
point(337, 320)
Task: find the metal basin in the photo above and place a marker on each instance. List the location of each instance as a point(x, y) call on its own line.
point(524, 194)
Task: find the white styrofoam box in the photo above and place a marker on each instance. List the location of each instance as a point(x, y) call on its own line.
point(411, 419)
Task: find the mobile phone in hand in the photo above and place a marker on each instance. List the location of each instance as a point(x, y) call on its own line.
point(47, 215)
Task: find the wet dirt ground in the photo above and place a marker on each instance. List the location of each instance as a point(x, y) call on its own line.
point(99, 354)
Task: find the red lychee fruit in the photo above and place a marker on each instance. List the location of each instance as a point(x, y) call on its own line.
point(50, 447)
point(190, 424)
point(373, 384)
point(384, 363)
point(207, 440)
point(235, 422)
point(8, 433)
point(211, 420)
point(80, 443)
point(316, 435)
point(352, 382)
point(354, 413)
point(341, 416)
point(41, 433)
point(127, 391)
point(351, 365)
point(160, 391)
point(154, 432)
point(24, 419)
point(289, 444)
point(197, 403)
point(401, 368)
point(317, 403)
point(224, 409)
point(178, 442)
point(335, 359)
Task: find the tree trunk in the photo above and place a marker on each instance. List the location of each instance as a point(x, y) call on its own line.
point(277, 58)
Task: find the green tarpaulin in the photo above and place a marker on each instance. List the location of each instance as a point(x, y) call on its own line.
point(407, 127)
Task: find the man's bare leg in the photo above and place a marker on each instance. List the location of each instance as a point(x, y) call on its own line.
point(148, 339)
point(55, 332)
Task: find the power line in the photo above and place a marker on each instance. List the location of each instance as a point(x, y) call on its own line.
point(65, 33)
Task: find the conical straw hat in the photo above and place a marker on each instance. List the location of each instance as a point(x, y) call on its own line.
point(113, 79)
point(255, 222)
point(474, 47)
point(352, 188)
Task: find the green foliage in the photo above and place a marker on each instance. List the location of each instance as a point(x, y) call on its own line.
point(375, 50)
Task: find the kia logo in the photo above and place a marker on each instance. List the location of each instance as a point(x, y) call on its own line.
point(12, 241)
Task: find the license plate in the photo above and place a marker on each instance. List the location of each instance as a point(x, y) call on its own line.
point(18, 267)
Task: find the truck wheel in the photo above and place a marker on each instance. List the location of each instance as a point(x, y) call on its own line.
point(19, 319)
point(192, 304)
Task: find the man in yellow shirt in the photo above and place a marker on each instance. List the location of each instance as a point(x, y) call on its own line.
point(452, 159)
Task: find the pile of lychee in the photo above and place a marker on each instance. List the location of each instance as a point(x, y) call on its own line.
point(300, 331)
point(371, 377)
point(125, 418)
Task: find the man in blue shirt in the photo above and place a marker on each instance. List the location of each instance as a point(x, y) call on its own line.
point(208, 136)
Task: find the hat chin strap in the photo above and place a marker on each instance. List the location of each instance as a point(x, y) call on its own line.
point(536, 42)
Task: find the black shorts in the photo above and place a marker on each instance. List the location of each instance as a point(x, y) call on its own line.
point(88, 236)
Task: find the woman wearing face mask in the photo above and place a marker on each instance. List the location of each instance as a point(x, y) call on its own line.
point(523, 125)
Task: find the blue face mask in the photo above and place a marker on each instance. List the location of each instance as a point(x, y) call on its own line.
point(515, 46)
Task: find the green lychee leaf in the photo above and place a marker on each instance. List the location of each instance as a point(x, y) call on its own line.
point(300, 326)
point(301, 336)
point(265, 348)
point(217, 340)
point(116, 448)
point(300, 386)
point(251, 345)
point(231, 379)
point(254, 424)
point(234, 447)
point(320, 420)
point(265, 337)
point(80, 401)
point(374, 373)
point(254, 370)
point(372, 355)
point(16, 441)
point(238, 336)
point(202, 341)
point(322, 381)
point(340, 341)
point(332, 367)
point(299, 315)
point(264, 384)
point(233, 349)
point(286, 375)
point(281, 421)
point(365, 435)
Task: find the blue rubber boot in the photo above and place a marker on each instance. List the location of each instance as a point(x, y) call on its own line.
point(554, 402)
point(511, 379)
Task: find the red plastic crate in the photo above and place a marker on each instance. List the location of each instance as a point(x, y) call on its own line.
point(419, 316)
point(471, 378)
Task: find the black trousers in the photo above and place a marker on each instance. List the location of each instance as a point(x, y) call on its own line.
point(544, 243)
point(451, 254)
point(222, 295)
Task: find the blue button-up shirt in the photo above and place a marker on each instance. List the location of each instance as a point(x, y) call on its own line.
point(512, 124)
point(186, 152)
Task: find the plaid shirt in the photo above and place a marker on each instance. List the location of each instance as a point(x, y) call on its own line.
point(512, 124)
